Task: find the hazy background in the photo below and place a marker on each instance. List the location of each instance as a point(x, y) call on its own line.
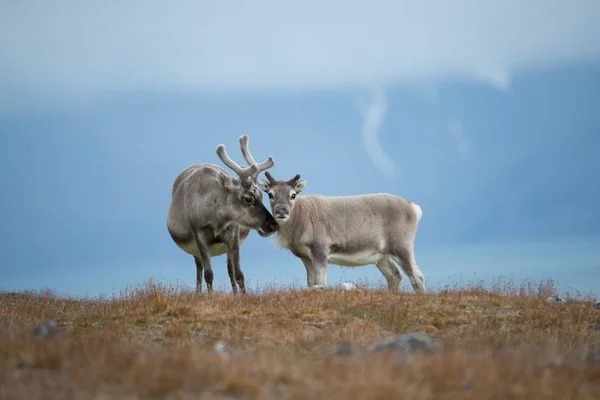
point(485, 113)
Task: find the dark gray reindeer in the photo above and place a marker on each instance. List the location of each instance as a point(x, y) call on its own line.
point(211, 213)
point(348, 231)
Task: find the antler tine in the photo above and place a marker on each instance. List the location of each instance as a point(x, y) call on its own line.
point(294, 180)
point(241, 171)
point(245, 152)
point(272, 180)
point(268, 163)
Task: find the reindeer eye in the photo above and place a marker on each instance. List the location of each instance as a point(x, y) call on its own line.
point(270, 195)
point(249, 200)
point(293, 196)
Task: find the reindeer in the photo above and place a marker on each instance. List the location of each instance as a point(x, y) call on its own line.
point(349, 231)
point(212, 213)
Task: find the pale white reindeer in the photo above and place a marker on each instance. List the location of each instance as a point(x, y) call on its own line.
point(211, 213)
point(348, 231)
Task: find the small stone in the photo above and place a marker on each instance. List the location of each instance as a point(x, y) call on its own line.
point(199, 334)
point(275, 388)
point(594, 357)
point(47, 329)
point(345, 349)
point(554, 299)
point(222, 349)
point(347, 286)
point(245, 337)
point(410, 342)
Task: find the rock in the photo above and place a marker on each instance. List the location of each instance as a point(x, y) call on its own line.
point(554, 299)
point(347, 286)
point(222, 349)
point(275, 388)
point(594, 357)
point(245, 337)
point(345, 349)
point(47, 329)
point(199, 335)
point(409, 343)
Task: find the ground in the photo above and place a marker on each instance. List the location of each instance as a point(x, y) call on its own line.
point(501, 341)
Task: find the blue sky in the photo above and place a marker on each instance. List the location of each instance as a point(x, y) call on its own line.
point(486, 116)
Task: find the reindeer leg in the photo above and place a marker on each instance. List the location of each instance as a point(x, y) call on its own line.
point(319, 261)
point(232, 239)
point(405, 257)
point(204, 260)
point(391, 274)
point(231, 272)
point(310, 272)
point(198, 275)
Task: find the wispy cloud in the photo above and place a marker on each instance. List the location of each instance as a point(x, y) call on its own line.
point(373, 117)
point(456, 131)
point(77, 50)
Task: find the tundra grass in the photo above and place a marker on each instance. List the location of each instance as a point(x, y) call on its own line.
point(156, 341)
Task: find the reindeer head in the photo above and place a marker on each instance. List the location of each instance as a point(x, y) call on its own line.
point(248, 207)
point(282, 194)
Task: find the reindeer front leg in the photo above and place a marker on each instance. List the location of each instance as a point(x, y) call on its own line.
point(319, 263)
point(232, 239)
point(205, 262)
point(198, 274)
point(310, 272)
point(231, 272)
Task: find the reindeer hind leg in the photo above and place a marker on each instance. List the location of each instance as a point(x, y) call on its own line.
point(391, 274)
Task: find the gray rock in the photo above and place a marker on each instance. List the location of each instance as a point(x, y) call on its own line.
point(199, 335)
point(345, 349)
point(222, 349)
point(414, 342)
point(554, 299)
point(245, 337)
point(275, 388)
point(47, 329)
point(594, 357)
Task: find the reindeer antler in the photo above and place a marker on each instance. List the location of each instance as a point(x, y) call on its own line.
point(268, 163)
point(294, 180)
point(243, 173)
point(272, 180)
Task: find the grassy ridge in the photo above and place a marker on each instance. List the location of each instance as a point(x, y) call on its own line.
point(156, 341)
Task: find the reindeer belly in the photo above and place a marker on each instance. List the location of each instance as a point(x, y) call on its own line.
point(356, 259)
point(191, 248)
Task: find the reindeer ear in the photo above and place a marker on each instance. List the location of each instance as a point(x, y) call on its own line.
point(263, 185)
point(300, 185)
point(230, 183)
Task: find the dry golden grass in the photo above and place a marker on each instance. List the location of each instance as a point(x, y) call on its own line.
point(157, 341)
